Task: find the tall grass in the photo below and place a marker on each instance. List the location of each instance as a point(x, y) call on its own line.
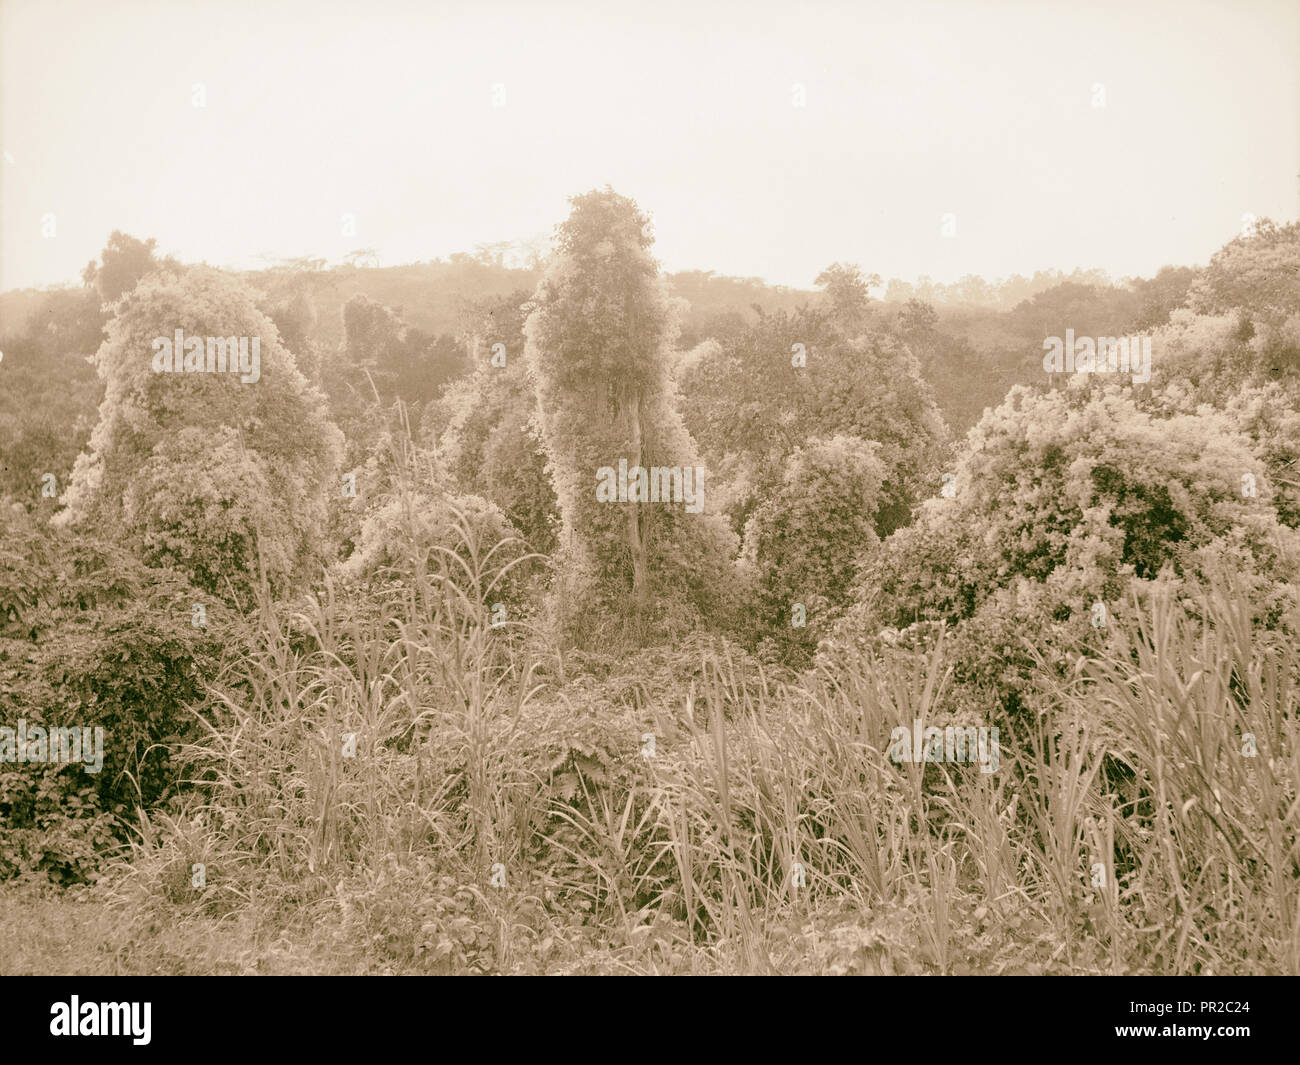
point(499, 814)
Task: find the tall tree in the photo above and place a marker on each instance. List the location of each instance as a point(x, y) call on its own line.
point(599, 342)
point(848, 292)
point(123, 262)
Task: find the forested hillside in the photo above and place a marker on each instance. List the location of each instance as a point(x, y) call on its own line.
point(969, 355)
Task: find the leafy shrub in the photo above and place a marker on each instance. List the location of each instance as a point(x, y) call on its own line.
point(91, 638)
point(443, 534)
point(806, 540)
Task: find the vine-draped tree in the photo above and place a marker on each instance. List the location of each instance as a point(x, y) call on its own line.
point(486, 424)
point(599, 341)
point(1063, 500)
point(202, 469)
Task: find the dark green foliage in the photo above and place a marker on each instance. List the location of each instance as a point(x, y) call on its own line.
point(90, 638)
point(48, 394)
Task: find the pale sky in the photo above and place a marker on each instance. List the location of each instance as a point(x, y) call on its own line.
point(384, 110)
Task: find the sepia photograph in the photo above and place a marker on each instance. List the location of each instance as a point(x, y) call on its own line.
point(729, 488)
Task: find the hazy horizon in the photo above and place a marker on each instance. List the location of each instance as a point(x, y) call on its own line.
point(912, 112)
